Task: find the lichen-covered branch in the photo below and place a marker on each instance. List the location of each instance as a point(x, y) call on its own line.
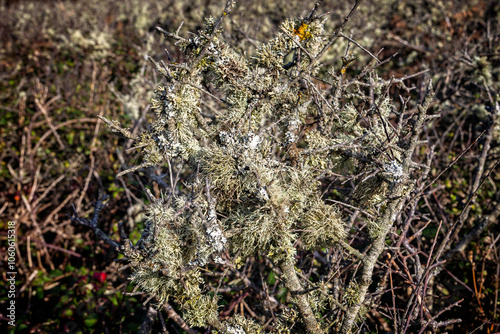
point(396, 200)
point(293, 284)
point(256, 158)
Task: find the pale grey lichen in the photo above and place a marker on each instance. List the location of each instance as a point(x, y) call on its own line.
point(235, 330)
point(395, 169)
point(291, 134)
point(253, 141)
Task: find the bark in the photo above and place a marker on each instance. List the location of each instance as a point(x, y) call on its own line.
point(292, 283)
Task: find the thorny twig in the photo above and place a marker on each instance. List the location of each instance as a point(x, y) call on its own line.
point(93, 224)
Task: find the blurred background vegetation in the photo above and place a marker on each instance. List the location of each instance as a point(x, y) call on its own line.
point(63, 63)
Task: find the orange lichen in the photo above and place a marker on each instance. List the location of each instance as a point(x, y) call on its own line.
point(303, 32)
point(346, 62)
